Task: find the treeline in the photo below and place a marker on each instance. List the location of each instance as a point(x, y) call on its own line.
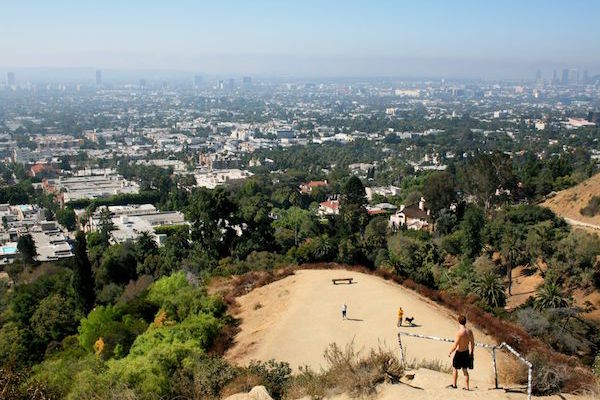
point(134, 318)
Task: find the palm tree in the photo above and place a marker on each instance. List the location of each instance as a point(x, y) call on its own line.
point(551, 296)
point(322, 248)
point(490, 290)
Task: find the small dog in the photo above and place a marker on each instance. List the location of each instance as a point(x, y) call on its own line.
point(409, 320)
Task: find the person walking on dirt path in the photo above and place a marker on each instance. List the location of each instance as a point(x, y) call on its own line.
point(344, 310)
point(400, 316)
point(464, 345)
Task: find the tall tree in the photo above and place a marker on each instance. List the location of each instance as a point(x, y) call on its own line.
point(352, 206)
point(26, 246)
point(145, 245)
point(82, 279)
point(482, 175)
point(439, 192)
point(212, 213)
point(105, 226)
point(511, 247)
point(66, 217)
point(354, 192)
point(472, 227)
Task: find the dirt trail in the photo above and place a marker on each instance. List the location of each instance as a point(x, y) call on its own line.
point(295, 319)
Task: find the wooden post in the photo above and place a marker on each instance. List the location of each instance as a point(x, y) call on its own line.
point(529, 383)
point(494, 367)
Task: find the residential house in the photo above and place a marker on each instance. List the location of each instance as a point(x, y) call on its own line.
point(308, 187)
point(329, 207)
point(415, 217)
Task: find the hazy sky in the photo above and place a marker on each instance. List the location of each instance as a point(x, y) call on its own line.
point(304, 37)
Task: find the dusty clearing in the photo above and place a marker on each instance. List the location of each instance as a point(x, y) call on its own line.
point(294, 320)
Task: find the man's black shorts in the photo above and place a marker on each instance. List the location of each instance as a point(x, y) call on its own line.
point(462, 360)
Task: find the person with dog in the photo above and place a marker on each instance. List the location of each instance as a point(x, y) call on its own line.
point(400, 316)
point(463, 349)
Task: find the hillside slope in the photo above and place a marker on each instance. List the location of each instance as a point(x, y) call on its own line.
point(567, 203)
point(296, 318)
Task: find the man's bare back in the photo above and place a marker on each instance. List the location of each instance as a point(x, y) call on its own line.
point(464, 337)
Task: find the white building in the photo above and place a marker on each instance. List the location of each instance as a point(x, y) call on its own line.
point(385, 191)
point(212, 179)
point(89, 187)
point(131, 221)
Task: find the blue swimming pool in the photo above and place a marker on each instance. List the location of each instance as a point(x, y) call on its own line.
point(8, 250)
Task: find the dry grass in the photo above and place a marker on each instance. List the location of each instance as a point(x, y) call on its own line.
point(434, 365)
point(511, 372)
point(347, 371)
point(242, 383)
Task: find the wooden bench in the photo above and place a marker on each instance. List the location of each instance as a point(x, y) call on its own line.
point(347, 280)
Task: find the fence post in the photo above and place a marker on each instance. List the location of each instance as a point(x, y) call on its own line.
point(494, 367)
point(401, 351)
point(529, 383)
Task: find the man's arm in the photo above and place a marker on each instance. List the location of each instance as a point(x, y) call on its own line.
point(472, 342)
point(454, 345)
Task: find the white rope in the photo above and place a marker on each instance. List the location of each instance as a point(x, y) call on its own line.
point(490, 347)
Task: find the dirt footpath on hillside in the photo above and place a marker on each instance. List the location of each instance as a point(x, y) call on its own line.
point(295, 319)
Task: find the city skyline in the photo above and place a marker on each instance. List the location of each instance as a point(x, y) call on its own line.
point(356, 38)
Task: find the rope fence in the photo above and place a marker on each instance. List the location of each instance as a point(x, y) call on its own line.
point(491, 348)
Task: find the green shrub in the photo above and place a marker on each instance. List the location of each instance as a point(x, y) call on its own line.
point(57, 372)
point(116, 330)
point(452, 243)
point(202, 378)
point(179, 299)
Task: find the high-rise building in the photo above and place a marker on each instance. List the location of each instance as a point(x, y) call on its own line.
point(10, 79)
point(230, 84)
point(98, 77)
point(198, 80)
point(247, 81)
point(565, 76)
point(538, 75)
point(142, 83)
point(554, 76)
point(574, 75)
point(220, 85)
point(585, 77)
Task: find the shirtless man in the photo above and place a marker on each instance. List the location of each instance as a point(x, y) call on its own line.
point(464, 344)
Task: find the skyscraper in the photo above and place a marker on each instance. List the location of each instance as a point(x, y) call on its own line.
point(198, 80)
point(98, 77)
point(574, 75)
point(10, 79)
point(538, 75)
point(247, 81)
point(554, 77)
point(585, 77)
point(565, 76)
